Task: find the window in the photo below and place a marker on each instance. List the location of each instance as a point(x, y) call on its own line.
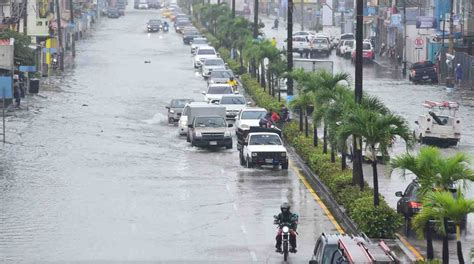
point(329, 251)
point(210, 122)
point(199, 41)
point(265, 140)
point(206, 52)
point(220, 90)
point(239, 100)
point(179, 103)
point(220, 74)
point(366, 46)
point(209, 62)
point(253, 115)
point(321, 41)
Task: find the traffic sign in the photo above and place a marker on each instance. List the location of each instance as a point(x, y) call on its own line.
point(419, 42)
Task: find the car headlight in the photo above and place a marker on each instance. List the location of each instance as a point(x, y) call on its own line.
point(177, 28)
point(182, 122)
point(198, 134)
point(285, 229)
point(227, 134)
point(172, 111)
point(283, 154)
point(254, 154)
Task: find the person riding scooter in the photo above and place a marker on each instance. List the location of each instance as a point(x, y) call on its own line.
point(233, 83)
point(166, 27)
point(275, 24)
point(290, 219)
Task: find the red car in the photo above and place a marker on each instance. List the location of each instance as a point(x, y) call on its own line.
point(368, 53)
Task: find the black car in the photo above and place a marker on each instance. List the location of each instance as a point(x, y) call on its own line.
point(189, 35)
point(154, 25)
point(409, 205)
point(180, 25)
point(424, 71)
point(113, 13)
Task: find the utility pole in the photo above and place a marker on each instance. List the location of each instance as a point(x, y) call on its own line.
point(451, 29)
point(25, 17)
point(73, 41)
point(357, 173)
point(404, 71)
point(233, 8)
point(255, 19)
point(342, 23)
point(60, 37)
point(289, 50)
point(302, 15)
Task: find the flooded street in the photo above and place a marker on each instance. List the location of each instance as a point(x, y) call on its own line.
point(94, 172)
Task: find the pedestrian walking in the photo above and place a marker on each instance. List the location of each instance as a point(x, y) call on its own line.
point(285, 113)
point(458, 71)
point(274, 42)
point(17, 90)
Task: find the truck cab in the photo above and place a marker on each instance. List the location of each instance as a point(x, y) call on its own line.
point(263, 148)
point(210, 131)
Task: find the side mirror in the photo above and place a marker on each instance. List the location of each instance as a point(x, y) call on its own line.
point(230, 125)
point(203, 93)
point(190, 126)
point(167, 107)
point(416, 122)
point(217, 54)
point(399, 194)
point(216, 102)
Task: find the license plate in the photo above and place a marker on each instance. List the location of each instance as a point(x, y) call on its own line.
point(426, 77)
point(213, 143)
point(268, 160)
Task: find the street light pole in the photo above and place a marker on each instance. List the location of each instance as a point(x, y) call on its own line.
point(451, 29)
point(302, 15)
point(233, 8)
point(73, 41)
point(60, 37)
point(255, 19)
point(289, 50)
point(404, 71)
point(357, 173)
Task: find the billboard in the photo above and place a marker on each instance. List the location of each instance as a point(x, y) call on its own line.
point(6, 54)
point(40, 13)
point(426, 22)
point(6, 88)
point(312, 65)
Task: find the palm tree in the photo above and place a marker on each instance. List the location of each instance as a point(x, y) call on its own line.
point(439, 206)
point(435, 171)
point(379, 131)
point(302, 101)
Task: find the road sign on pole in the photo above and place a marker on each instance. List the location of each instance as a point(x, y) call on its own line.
point(419, 43)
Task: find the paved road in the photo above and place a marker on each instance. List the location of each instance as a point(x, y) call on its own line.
point(385, 81)
point(94, 172)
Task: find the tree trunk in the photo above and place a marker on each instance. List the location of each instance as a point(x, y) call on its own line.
point(357, 172)
point(429, 242)
point(263, 83)
point(301, 118)
point(445, 243)
point(241, 59)
point(343, 160)
point(306, 125)
point(458, 244)
point(325, 139)
point(333, 154)
point(376, 181)
point(315, 135)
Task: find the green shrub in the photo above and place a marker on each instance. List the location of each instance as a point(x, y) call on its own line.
point(377, 222)
point(232, 64)
point(262, 98)
point(434, 261)
point(351, 193)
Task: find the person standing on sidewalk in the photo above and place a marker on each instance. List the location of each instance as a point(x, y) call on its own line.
point(458, 71)
point(17, 90)
point(274, 42)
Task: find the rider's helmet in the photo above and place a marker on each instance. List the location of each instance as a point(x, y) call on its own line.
point(285, 207)
point(231, 78)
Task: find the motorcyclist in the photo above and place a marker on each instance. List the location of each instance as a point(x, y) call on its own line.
point(266, 121)
point(165, 26)
point(232, 82)
point(291, 220)
point(275, 24)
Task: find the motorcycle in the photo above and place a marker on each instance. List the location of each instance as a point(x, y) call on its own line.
point(285, 238)
point(166, 28)
point(54, 63)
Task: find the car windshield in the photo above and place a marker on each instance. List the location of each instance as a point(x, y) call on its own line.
point(366, 46)
point(239, 100)
point(328, 253)
point(299, 39)
point(266, 139)
point(321, 41)
point(210, 62)
point(349, 43)
point(255, 115)
point(179, 103)
point(199, 41)
point(206, 52)
point(220, 74)
point(210, 122)
point(220, 90)
point(154, 22)
point(183, 23)
point(348, 36)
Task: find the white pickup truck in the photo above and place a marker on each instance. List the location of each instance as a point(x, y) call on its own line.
point(263, 148)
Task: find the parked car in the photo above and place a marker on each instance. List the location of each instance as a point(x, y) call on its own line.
point(180, 25)
point(233, 105)
point(210, 131)
point(423, 71)
point(113, 13)
point(368, 53)
point(203, 53)
point(219, 76)
point(154, 25)
point(197, 42)
point(179, 16)
point(212, 64)
point(193, 109)
point(216, 91)
point(142, 4)
point(175, 108)
point(319, 45)
point(340, 41)
point(189, 33)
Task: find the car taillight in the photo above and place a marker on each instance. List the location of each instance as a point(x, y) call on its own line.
point(413, 72)
point(414, 205)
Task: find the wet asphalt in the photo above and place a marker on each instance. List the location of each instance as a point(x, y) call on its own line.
point(93, 172)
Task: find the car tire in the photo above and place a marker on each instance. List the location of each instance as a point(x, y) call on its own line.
point(188, 139)
point(284, 166)
point(170, 120)
point(228, 146)
point(248, 163)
